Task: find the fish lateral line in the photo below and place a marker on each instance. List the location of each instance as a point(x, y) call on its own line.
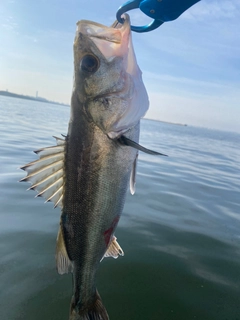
point(128, 142)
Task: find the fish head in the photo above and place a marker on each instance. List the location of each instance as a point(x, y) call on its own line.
point(107, 79)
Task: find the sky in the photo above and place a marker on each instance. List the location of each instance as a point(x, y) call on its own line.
point(191, 66)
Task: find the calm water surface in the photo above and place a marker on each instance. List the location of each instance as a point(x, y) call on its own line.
point(180, 231)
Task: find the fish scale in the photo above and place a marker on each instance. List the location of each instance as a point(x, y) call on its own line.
point(98, 196)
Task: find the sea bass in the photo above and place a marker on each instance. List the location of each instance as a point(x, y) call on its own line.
point(87, 173)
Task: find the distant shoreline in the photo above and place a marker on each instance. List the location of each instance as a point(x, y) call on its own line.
point(21, 96)
point(39, 99)
point(174, 123)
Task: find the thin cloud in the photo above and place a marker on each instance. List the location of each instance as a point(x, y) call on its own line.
point(8, 23)
point(161, 78)
point(213, 10)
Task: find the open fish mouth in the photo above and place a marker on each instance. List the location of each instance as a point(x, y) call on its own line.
point(114, 49)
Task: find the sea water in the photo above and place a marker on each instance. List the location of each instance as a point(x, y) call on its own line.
point(180, 231)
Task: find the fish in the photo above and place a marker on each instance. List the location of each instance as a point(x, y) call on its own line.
point(88, 171)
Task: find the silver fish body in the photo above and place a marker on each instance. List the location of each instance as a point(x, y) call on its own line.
point(95, 193)
point(88, 173)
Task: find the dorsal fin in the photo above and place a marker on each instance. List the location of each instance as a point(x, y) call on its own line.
point(46, 174)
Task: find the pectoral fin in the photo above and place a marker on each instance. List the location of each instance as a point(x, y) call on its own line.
point(133, 176)
point(63, 263)
point(128, 142)
point(114, 250)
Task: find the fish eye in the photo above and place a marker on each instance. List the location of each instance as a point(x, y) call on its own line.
point(89, 63)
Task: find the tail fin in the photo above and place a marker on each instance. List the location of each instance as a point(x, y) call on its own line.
point(95, 311)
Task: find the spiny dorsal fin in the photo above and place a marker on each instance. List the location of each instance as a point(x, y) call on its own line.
point(46, 173)
point(128, 142)
point(114, 250)
point(63, 263)
point(133, 176)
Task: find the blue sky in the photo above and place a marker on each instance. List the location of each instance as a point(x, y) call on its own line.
point(191, 66)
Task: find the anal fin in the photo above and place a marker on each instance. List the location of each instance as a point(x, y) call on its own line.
point(114, 250)
point(63, 263)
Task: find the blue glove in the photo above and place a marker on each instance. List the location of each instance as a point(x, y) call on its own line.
point(160, 10)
